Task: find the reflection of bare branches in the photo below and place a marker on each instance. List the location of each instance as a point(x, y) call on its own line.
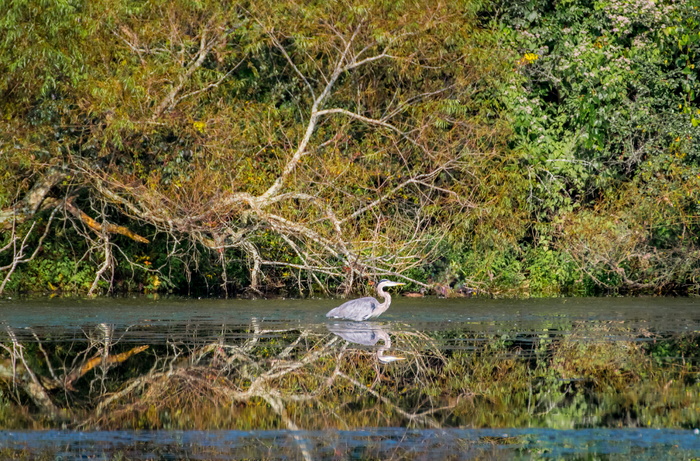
point(284, 369)
point(276, 402)
point(262, 377)
point(305, 369)
point(39, 387)
point(108, 360)
point(423, 419)
point(28, 380)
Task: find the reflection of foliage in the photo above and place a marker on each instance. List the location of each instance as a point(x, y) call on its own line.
point(270, 378)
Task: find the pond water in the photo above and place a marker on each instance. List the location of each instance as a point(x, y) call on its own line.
point(604, 378)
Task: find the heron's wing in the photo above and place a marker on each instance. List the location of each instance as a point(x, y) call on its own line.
point(355, 309)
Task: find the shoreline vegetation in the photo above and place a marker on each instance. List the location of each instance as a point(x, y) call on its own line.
point(488, 148)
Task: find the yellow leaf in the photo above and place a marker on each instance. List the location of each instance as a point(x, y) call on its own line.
point(199, 126)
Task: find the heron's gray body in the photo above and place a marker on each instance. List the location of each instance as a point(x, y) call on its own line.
point(356, 309)
point(364, 308)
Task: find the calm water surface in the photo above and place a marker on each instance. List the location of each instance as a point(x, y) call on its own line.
point(667, 315)
point(259, 335)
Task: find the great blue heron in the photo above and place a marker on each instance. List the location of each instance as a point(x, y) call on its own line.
point(366, 334)
point(365, 308)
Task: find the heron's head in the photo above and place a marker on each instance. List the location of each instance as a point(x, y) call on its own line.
point(389, 283)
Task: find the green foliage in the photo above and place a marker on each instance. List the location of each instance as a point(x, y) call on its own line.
point(552, 273)
point(608, 86)
point(544, 124)
point(42, 49)
point(605, 125)
point(58, 271)
point(161, 122)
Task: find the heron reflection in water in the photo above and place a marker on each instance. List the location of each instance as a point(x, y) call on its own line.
point(365, 308)
point(366, 334)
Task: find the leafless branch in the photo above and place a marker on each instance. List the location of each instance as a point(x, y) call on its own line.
point(19, 250)
point(205, 46)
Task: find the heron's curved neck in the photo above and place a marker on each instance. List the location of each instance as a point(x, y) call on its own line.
point(387, 345)
point(384, 305)
point(384, 336)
